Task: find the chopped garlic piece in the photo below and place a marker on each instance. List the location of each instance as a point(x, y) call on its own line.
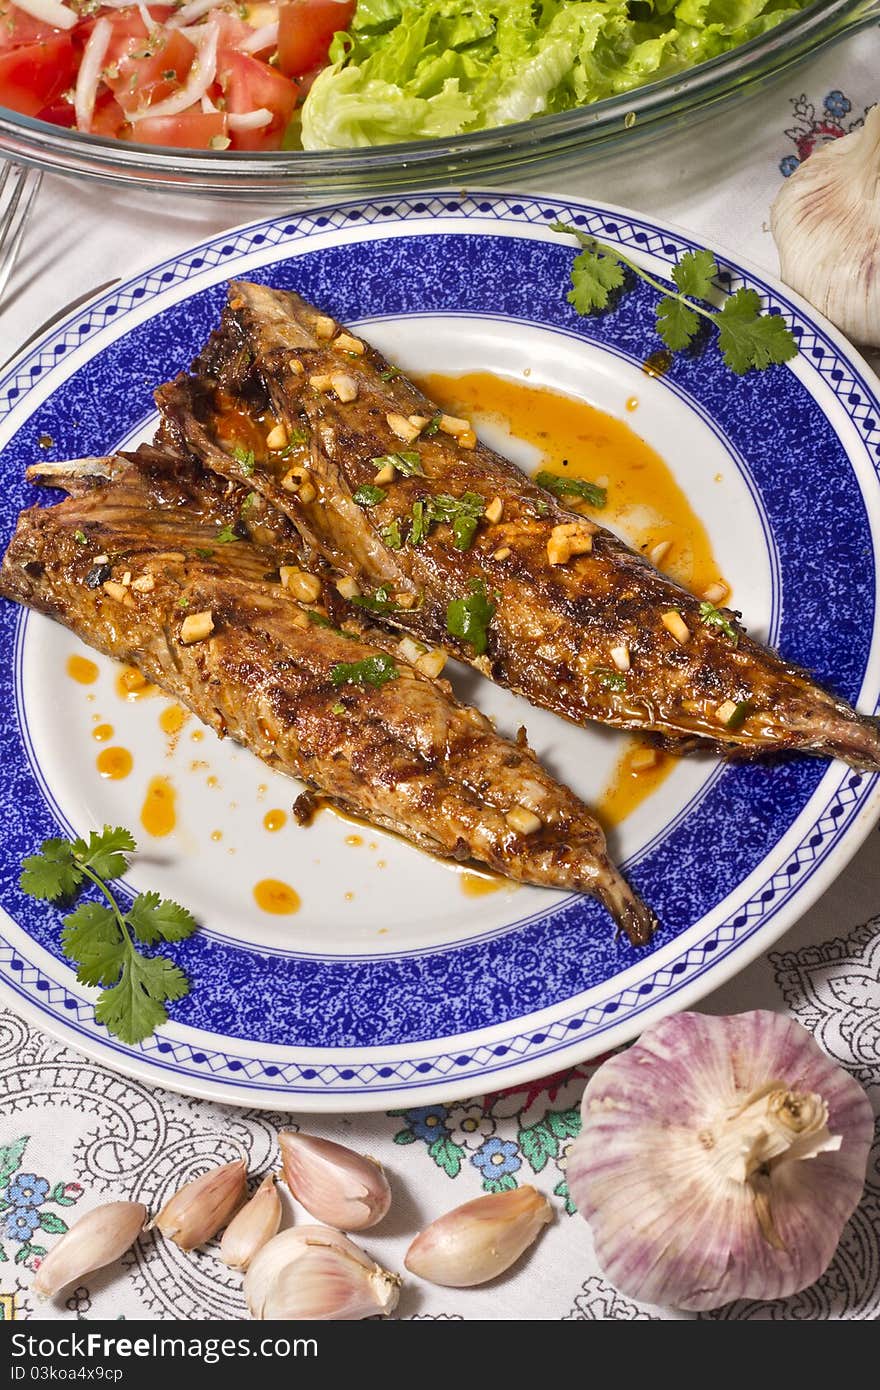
point(502, 553)
point(410, 650)
point(620, 657)
point(321, 382)
point(657, 554)
point(196, 627)
point(300, 583)
point(451, 424)
point(386, 474)
point(523, 820)
point(346, 343)
point(643, 759)
point(432, 663)
point(307, 494)
point(676, 625)
point(404, 600)
point(468, 440)
point(716, 593)
point(145, 584)
point(277, 438)
point(403, 428)
point(347, 587)
point(115, 590)
point(296, 367)
point(324, 327)
point(724, 713)
point(345, 387)
point(495, 510)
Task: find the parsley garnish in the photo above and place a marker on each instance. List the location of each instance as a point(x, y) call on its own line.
point(295, 441)
point(183, 602)
point(391, 535)
point(389, 373)
point(373, 670)
point(203, 554)
point(572, 487)
point(318, 618)
point(103, 940)
point(408, 465)
point(469, 618)
point(380, 602)
point(226, 534)
point(250, 501)
point(432, 426)
point(368, 495)
point(245, 457)
point(713, 617)
point(461, 513)
point(611, 679)
point(748, 338)
point(418, 528)
point(80, 537)
point(740, 714)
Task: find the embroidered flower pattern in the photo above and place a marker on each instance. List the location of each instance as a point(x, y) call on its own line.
point(813, 128)
point(26, 1200)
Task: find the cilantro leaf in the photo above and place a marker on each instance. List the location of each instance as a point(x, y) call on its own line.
point(367, 495)
point(226, 534)
point(594, 275)
point(51, 874)
point(572, 487)
point(469, 618)
point(105, 852)
point(695, 273)
point(391, 535)
point(711, 616)
point(92, 938)
point(677, 323)
point(419, 526)
point(373, 671)
point(611, 679)
point(245, 457)
point(152, 919)
point(408, 464)
point(380, 602)
point(747, 338)
point(135, 1007)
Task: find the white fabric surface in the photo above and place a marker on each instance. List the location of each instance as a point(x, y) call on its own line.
point(88, 1132)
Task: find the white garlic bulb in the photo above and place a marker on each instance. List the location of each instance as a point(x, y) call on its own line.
point(825, 220)
point(336, 1185)
point(720, 1158)
point(315, 1272)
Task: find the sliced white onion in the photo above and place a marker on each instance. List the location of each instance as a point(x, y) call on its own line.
point(249, 120)
point(147, 19)
point(194, 10)
point(264, 37)
point(89, 74)
point(208, 106)
point(201, 75)
point(49, 12)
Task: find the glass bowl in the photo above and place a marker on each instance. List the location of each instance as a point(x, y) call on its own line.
point(489, 155)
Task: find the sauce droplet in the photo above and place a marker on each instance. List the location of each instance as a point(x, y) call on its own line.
point(132, 685)
point(276, 897)
point(216, 836)
point(354, 840)
point(349, 897)
point(632, 403)
point(275, 820)
point(114, 763)
point(197, 735)
point(102, 732)
point(159, 811)
point(172, 719)
point(81, 670)
point(478, 885)
point(658, 363)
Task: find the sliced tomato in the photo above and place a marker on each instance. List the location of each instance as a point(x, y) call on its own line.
point(129, 29)
point(193, 129)
point(108, 117)
point(151, 71)
point(248, 84)
point(305, 28)
point(17, 27)
point(34, 74)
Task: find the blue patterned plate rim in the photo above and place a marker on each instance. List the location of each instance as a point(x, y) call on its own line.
point(832, 808)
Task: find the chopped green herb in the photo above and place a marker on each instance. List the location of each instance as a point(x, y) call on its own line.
point(572, 487)
point(296, 441)
point(463, 528)
point(80, 537)
point(319, 619)
point(747, 337)
point(380, 602)
point(183, 602)
point(713, 617)
point(250, 501)
point(338, 708)
point(373, 670)
point(103, 940)
point(391, 535)
point(432, 426)
point(409, 464)
point(368, 495)
point(740, 715)
point(245, 457)
point(611, 679)
point(390, 373)
point(469, 618)
point(418, 528)
point(203, 554)
point(226, 534)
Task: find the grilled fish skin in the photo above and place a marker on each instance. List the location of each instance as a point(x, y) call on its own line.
point(404, 755)
point(695, 679)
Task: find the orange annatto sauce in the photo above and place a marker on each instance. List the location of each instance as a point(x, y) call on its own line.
point(102, 733)
point(276, 897)
point(82, 670)
point(478, 885)
point(131, 685)
point(159, 811)
point(173, 718)
point(632, 782)
point(274, 820)
point(114, 763)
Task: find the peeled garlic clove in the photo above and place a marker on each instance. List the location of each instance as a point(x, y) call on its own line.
point(97, 1239)
point(253, 1226)
point(720, 1158)
point(333, 1183)
point(196, 1213)
point(825, 220)
point(479, 1240)
point(314, 1272)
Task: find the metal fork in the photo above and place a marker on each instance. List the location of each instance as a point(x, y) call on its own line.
point(18, 189)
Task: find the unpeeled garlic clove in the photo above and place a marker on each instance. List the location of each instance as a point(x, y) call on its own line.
point(253, 1226)
point(825, 221)
point(479, 1240)
point(196, 1213)
point(97, 1239)
point(315, 1272)
point(336, 1185)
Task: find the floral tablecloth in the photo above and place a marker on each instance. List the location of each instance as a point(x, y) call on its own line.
point(73, 1132)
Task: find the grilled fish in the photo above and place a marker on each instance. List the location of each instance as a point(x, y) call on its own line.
point(158, 566)
point(408, 503)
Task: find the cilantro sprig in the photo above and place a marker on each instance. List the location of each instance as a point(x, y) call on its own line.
point(710, 616)
point(469, 618)
point(102, 940)
point(373, 671)
point(572, 487)
point(747, 337)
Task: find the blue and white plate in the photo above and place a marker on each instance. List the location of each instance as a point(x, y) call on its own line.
point(389, 986)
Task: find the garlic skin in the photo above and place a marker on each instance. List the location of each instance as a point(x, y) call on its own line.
point(198, 1210)
point(97, 1239)
point(334, 1184)
point(825, 221)
point(720, 1159)
point(315, 1272)
point(479, 1240)
point(255, 1224)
